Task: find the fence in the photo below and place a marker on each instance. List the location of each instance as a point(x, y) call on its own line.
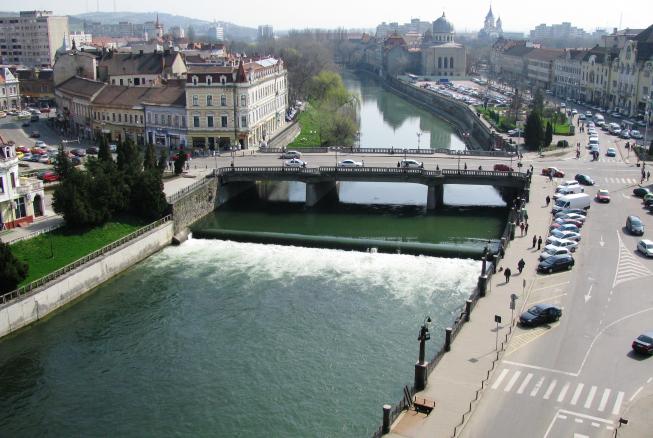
point(9, 296)
point(37, 233)
point(397, 151)
point(183, 192)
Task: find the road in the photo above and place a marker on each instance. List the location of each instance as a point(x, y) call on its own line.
point(577, 377)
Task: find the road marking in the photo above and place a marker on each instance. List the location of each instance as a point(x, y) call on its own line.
point(628, 266)
point(562, 414)
point(578, 420)
point(632, 397)
point(595, 424)
point(601, 242)
point(590, 397)
point(522, 387)
point(563, 392)
point(588, 295)
point(617, 404)
point(552, 286)
point(649, 380)
point(537, 387)
point(512, 381)
point(549, 390)
point(547, 299)
point(579, 389)
point(535, 367)
point(604, 399)
point(500, 379)
point(580, 435)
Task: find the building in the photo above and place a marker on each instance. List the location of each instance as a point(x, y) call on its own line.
point(117, 112)
point(177, 32)
point(241, 106)
point(539, 67)
point(165, 117)
point(265, 32)
point(216, 32)
point(36, 86)
point(74, 98)
point(441, 55)
point(557, 31)
point(21, 199)
point(140, 69)
point(491, 30)
point(595, 75)
point(9, 90)
point(80, 39)
point(567, 74)
point(32, 38)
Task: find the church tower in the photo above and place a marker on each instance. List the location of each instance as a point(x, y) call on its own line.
point(489, 20)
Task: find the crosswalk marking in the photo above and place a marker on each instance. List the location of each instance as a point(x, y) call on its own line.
point(604, 400)
point(590, 397)
point(579, 389)
point(512, 381)
point(615, 180)
point(549, 390)
point(628, 266)
point(522, 387)
point(537, 387)
point(617, 404)
point(500, 378)
point(563, 392)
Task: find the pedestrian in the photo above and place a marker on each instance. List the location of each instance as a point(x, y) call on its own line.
point(465, 166)
point(648, 175)
point(521, 227)
point(539, 243)
point(362, 163)
point(548, 200)
point(398, 164)
point(534, 241)
point(520, 265)
point(526, 227)
point(507, 273)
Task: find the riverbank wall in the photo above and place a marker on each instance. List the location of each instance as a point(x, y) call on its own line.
point(76, 282)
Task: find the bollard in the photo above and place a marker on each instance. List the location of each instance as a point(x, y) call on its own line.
point(386, 418)
point(483, 265)
point(468, 309)
point(447, 339)
point(482, 284)
point(512, 230)
point(496, 263)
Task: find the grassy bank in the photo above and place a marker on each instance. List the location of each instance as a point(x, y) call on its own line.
point(50, 251)
point(497, 118)
point(308, 137)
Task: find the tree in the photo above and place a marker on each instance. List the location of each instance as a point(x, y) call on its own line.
point(63, 165)
point(538, 101)
point(71, 200)
point(163, 161)
point(548, 134)
point(149, 161)
point(104, 153)
point(190, 34)
point(128, 157)
point(180, 161)
point(533, 132)
point(12, 270)
point(149, 201)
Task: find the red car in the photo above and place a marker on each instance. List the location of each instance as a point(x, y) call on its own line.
point(502, 168)
point(175, 157)
point(50, 177)
point(561, 221)
point(38, 151)
point(23, 149)
point(557, 173)
point(603, 196)
point(45, 110)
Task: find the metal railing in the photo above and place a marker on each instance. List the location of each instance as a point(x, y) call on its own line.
point(188, 189)
point(9, 296)
point(395, 151)
point(36, 233)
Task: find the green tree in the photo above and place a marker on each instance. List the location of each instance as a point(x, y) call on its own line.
point(180, 161)
point(149, 161)
point(533, 132)
point(129, 157)
point(63, 165)
point(538, 101)
point(12, 270)
point(548, 134)
point(71, 200)
point(104, 153)
point(163, 161)
point(149, 201)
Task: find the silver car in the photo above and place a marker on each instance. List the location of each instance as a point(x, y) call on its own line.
point(645, 246)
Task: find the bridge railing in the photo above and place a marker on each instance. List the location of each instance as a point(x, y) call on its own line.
point(394, 151)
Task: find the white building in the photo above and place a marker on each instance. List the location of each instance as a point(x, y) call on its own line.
point(216, 32)
point(9, 90)
point(32, 38)
point(21, 199)
point(80, 39)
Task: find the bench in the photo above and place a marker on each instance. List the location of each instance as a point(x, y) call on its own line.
point(423, 405)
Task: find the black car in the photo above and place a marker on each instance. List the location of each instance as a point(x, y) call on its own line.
point(540, 314)
point(556, 263)
point(584, 180)
point(36, 134)
point(644, 343)
point(26, 124)
point(92, 150)
point(640, 192)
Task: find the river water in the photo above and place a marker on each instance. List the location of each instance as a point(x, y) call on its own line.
point(217, 338)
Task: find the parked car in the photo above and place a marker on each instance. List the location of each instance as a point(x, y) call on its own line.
point(636, 134)
point(113, 147)
point(571, 245)
point(611, 152)
point(23, 149)
point(48, 176)
point(540, 314)
point(551, 250)
point(556, 263)
point(564, 227)
point(26, 124)
point(603, 196)
point(644, 343)
point(569, 235)
point(290, 155)
point(585, 180)
point(295, 162)
point(35, 134)
point(634, 225)
point(76, 161)
point(45, 159)
point(92, 150)
point(640, 192)
point(350, 163)
point(645, 246)
point(78, 152)
point(38, 151)
point(557, 173)
point(625, 134)
point(45, 110)
point(412, 164)
point(502, 168)
point(571, 216)
point(566, 184)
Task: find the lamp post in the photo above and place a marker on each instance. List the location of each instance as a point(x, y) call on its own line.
point(421, 367)
point(419, 135)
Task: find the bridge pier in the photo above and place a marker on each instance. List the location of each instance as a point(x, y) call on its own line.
point(229, 191)
point(435, 198)
point(315, 192)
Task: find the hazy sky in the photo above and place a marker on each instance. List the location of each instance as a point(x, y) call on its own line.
point(516, 15)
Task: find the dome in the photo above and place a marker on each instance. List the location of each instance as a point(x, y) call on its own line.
point(442, 25)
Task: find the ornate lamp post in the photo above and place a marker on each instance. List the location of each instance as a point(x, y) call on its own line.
point(421, 367)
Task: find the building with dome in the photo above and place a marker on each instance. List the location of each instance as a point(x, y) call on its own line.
point(441, 55)
point(491, 29)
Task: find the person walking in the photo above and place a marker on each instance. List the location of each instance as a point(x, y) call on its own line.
point(520, 265)
point(648, 175)
point(534, 241)
point(507, 274)
point(521, 227)
point(526, 228)
point(548, 200)
point(539, 243)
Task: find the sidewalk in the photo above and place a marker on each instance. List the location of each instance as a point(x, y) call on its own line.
point(454, 382)
point(36, 227)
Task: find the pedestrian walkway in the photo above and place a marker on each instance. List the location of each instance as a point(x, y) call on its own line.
point(40, 226)
point(457, 377)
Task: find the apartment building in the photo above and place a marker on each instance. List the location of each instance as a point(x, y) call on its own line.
point(567, 73)
point(21, 199)
point(32, 38)
point(9, 90)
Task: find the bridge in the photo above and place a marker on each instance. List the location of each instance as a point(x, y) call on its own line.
point(320, 181)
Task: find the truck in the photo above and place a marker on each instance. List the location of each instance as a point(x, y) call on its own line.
point(573, 201)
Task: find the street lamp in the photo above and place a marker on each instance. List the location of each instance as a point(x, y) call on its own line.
point(421, 367)
point(419, 135)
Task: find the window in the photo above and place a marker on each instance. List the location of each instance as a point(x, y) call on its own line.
point(13, 180)
point(194, 80)
point(169, 120)
point(113, 117)
point(2, 185)
point(196, 121)
point(119, 118)
point(223, 100)
point(141, 119)
point(209, 100)
point(243, 100)
point(224, 121)
point(451, 62)
point(177, 121)
point(209, 80)
point(183, 121)
point(439, 62)
point(243, 121)
point(196, 100)
point(209, 121)
point(21, 211)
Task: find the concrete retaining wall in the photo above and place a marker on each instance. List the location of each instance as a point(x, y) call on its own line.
point(59, 292)
point(285, 137)
point(195, 205)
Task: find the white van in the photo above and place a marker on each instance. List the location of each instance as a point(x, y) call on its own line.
point(598, 118)
point(577, 200)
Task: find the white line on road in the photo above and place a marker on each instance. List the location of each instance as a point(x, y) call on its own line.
point(550, 389)
point(590, 397)
point(578, 420)
point(617, 403)
point(512, 381)
point(588, 295)
point(562, 417)
point(563, 392)
point(535, 367)
point(552, 286)
point(595, 424)
point(537, 387)
point(579, 389)
point(502, 376)
point(632, 397)
point(604, 399)
point(547, 299)
point(523, 385)
point(649, 380)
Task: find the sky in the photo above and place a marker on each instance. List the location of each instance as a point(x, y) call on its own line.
point(466, 15)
